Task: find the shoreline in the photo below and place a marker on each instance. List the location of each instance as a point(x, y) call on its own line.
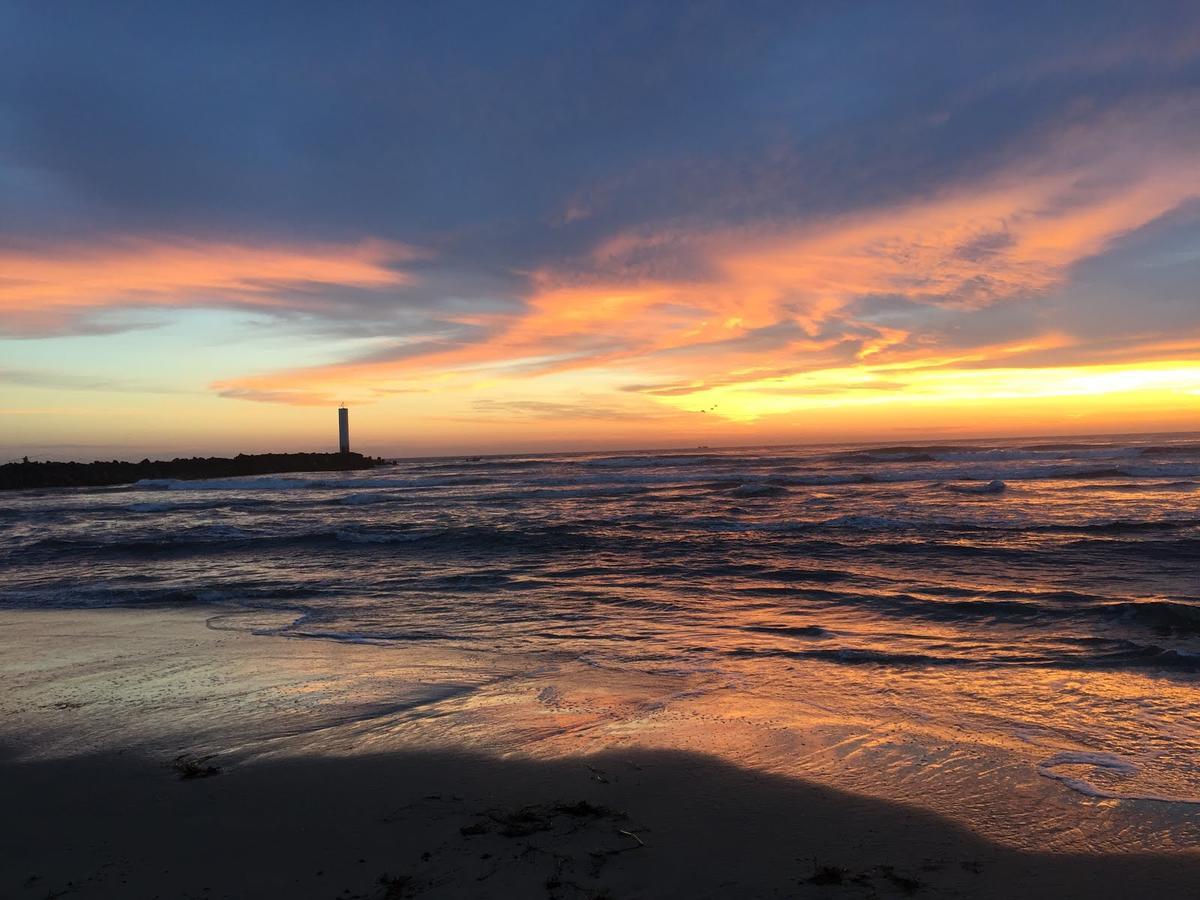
point(319, 789)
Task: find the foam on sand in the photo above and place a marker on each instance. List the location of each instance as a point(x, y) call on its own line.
point(1107, 763)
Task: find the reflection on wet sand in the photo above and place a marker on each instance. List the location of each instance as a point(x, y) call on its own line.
point(162, 683)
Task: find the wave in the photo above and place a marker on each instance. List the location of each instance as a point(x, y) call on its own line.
point(986, 474)
point(152, 507)
point(1161, 470)
point(720, 478)
point(613, 489)
point(1135, 487)
point(221, 484)
point(157, 506)
point(1114, 526)
point(1171, 451)
point(1167, 617)
point(1142, 656)
point(732, 473)
point(799, 631)
point(81, 597)
point(1167, 549)
point(995, 486)
point(958, 453)
point(863, 523)
point(758, 489)
point(850, 656)
point(252, 595)
point(940, 528)
point(1174, 616)
point(991, 473)
point(369, 498)
point(655, 461)
point(1170, 616)
point(300, 484)
point(1034, 452)
point(1127, 656)
point(356, 637)
point(899, 453)
point(488, 463)
point(213, 539)
point(1055, 472)
point(1024, 454)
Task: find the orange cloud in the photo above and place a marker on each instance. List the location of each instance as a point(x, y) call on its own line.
point(42, 288)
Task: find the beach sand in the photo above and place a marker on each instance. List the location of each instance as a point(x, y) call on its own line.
point(107, 789)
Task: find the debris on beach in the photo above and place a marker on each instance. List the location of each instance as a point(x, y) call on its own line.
point(188, 767)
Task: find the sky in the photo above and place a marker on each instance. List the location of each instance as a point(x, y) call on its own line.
point(512, 227)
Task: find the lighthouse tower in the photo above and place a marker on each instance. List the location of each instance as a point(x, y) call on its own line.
point(343, 429)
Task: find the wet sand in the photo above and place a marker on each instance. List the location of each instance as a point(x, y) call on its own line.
point(94, 781)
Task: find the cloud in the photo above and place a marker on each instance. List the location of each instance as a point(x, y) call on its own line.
point(763, 298)
point(666, 202)
point(553, 411)
point(290, 398)
point(47, 289)
point(71, 381)
point(568, 119)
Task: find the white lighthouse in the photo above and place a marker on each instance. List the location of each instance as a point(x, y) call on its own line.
point(343, 429)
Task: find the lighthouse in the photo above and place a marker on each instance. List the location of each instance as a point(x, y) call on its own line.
point(343, 429)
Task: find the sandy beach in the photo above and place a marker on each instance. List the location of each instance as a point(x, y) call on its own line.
point(126, 775)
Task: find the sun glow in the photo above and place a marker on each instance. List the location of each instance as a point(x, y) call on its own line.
point(1112, 386)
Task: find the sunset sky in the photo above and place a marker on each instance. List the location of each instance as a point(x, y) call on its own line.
point(490, 227)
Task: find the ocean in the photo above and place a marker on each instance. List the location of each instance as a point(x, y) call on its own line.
point(1007, 632)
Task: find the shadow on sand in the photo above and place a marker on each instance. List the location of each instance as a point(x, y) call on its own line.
point(424, 824)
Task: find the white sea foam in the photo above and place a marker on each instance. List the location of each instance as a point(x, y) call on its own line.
point(1106, 762)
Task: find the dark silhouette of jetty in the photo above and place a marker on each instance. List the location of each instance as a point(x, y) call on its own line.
point(26, 474)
